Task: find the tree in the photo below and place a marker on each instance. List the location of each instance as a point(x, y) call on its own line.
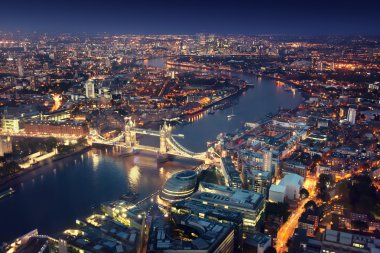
point(325, 181)
point(9, 168)
point(51, 143)
point(311, 205)
point(304, 193)
point(359, 194)
point(277, 209)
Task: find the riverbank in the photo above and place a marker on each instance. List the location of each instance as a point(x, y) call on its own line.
point(199, 66)
point(9, 181)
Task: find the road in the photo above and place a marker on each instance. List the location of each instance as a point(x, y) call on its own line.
point(287, 229)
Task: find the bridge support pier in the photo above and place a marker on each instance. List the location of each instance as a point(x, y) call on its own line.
point(162, 158)
point(129, 152)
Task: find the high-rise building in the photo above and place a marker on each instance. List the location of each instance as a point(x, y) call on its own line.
point(260, 182)
point(341, 113)
point(201, 43)
point(90, 89)
point(62, 245)
point(5, 146)
point(230, 174)
point(267, 160)
point(20, 68)
point(202, 39)
point(351, 116)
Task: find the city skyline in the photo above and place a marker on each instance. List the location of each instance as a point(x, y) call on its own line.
point(189, 126)
point(174, 17)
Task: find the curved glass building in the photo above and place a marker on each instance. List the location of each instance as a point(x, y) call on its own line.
point(179, 186)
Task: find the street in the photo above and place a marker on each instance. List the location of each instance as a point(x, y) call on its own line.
point(287, 229)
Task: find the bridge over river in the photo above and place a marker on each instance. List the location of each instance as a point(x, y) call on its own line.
point(168, 144)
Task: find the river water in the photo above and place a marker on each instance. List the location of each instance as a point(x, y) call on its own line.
point(52, 198)
point(252, 106)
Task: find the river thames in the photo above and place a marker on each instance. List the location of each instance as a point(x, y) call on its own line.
point(52, 198)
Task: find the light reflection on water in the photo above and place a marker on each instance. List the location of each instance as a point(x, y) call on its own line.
point(134, 176)
point(95, 161)
point(53, 197)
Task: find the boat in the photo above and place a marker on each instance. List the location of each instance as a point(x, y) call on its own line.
point(211, 112)
point(250, 85)
point(176, 119)
point(7, 193)
point(230, 116)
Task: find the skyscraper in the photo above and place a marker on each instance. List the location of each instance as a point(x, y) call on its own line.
point(267, 160)
point(201, 43)
point(351, 116)
point(62, 245)
point(20, 68)
point(90, 89)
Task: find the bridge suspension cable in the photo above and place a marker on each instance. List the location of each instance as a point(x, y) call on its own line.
point(182, 150)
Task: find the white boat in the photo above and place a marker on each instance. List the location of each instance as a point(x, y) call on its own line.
point(230, 116)
point(6, 193)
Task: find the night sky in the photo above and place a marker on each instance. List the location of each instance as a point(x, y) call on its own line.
point(293, 17)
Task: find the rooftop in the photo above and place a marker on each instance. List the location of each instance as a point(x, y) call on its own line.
point(228, 196)
point(291, 179)
point(277, 188)
point(196, 234)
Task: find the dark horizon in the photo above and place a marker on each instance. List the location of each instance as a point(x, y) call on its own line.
point(273, 17)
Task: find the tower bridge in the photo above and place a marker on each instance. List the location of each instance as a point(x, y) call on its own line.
point(168, 144)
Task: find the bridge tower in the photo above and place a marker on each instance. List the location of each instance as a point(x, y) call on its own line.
point(130, 135)
point(165, 133)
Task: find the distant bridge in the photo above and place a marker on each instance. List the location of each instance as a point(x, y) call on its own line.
point(168, 144)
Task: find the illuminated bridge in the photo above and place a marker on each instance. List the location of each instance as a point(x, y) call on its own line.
point(168, 144)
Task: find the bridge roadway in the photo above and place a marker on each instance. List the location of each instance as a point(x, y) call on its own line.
point(151, 132)
point(145, 132)
point(172, 146)
point(146, 148)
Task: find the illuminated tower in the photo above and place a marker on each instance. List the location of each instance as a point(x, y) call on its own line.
point(165, 133)
point(20, 68)
point(90, 89)
point(267, 160)
point(351, 116)
point(130, 136)
point(201, 43)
